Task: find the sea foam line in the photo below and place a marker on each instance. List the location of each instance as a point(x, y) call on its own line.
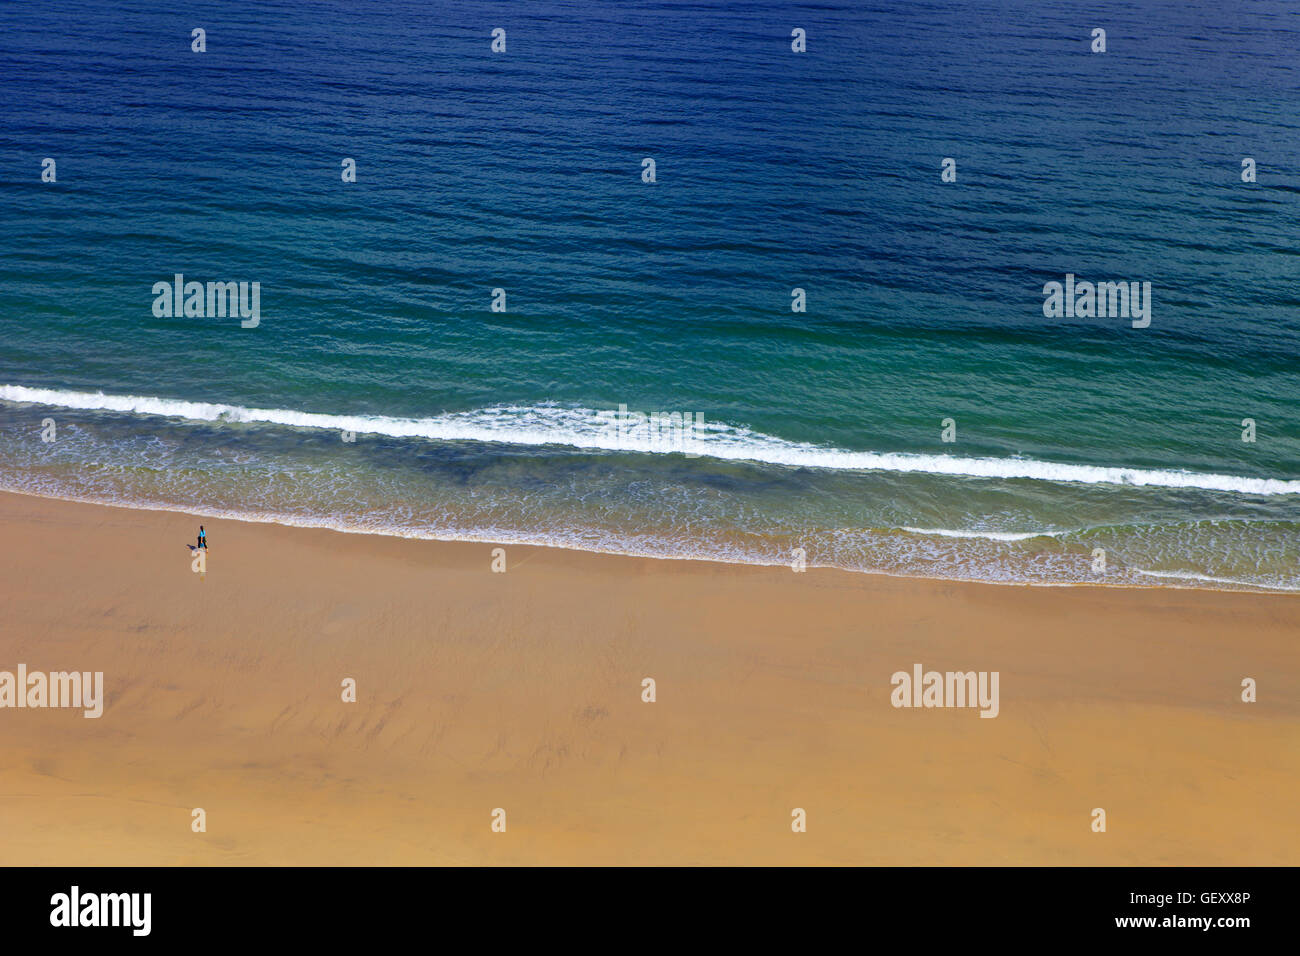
point(1195, 576)
point(985, 535)
point(588, 429)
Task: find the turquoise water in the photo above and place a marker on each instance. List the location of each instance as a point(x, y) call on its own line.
point(820, 430)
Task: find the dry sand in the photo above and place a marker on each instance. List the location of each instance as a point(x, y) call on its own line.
point(522, 690)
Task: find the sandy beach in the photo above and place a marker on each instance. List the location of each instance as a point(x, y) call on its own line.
point(523, 691)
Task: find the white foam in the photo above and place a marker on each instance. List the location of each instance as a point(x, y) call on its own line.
point(986, 535)
point(1194, 576)
point(588, 429)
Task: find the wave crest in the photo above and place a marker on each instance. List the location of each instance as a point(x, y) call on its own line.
point(595, 430)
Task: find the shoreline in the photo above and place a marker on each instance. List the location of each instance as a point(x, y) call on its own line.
point(479, 690)
point(283, 521)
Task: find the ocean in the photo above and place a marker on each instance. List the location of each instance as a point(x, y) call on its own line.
point(797, 344)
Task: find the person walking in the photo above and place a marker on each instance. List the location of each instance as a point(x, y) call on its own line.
point(203, 538)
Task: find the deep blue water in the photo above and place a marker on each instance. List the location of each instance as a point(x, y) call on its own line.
point(775, 170)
